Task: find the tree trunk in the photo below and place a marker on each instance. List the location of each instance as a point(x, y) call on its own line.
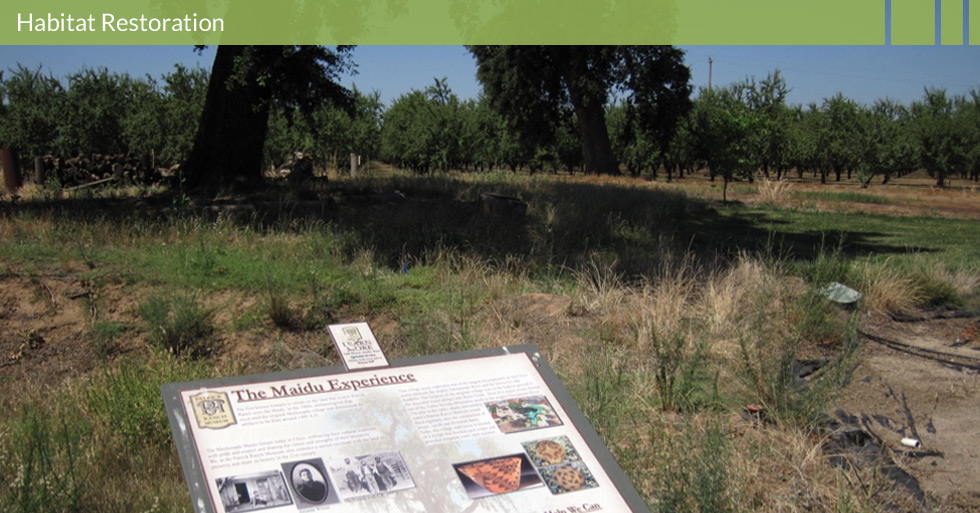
point(227, 153)
point(596, 147)
point(11, 169)
point(589, 109)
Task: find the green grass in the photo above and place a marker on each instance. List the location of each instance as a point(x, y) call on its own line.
point(935, 252)
point(902, 239)
point(843, 197)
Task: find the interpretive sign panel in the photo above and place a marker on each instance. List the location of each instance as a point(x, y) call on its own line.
point(488, 431)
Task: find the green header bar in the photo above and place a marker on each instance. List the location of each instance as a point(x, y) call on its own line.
point(951, 22)
point(128, 22)
point(975, 22)
point(913, 22)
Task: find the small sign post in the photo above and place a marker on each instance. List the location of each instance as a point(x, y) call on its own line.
point(357, 346)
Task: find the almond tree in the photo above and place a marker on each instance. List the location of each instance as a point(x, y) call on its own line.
point(942, 134)
point(534, 87)
point(722, 125)
point(838, 140)
point(31, 112)
point(885, 143)
point(969, 110)
point(770, 140)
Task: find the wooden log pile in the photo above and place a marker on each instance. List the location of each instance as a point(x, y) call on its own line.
point(92, 167)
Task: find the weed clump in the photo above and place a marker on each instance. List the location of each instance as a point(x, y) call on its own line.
point(178, 324)
point(103, 337)
point(770, 350)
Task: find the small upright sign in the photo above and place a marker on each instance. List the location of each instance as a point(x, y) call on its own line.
point(357, 346)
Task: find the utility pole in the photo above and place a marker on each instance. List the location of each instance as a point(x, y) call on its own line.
point(710, 62)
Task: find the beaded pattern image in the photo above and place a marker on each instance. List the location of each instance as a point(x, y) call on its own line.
point(551, 451)
point(567, 477)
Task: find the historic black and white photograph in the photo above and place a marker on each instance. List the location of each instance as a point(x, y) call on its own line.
point(253, 492)
point(309, 484)
point(371, 474)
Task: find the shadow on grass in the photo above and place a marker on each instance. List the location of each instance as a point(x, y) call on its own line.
point(566, 225)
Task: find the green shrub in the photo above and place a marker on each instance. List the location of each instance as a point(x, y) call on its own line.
point(682, 374)
point(769, 355)
point(178, 324)
point(696, 476)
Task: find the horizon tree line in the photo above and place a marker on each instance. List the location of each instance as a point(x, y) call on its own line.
point(598, 110)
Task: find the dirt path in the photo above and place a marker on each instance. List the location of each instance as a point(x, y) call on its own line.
point(897, 394)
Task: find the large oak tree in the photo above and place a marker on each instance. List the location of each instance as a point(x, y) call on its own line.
point(245, 83)
point(532, 86)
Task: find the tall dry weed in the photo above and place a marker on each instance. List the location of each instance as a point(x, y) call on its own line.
point(600, 289)
point(774, 193)
point(724, 294)
point(887, 289)
point(666, 303)
point(963, 281)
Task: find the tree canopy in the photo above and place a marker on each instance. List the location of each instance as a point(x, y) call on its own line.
point(536, 87)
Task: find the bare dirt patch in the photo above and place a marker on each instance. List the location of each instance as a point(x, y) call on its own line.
point(48, 335)
point(898, 394)
point(42, 332)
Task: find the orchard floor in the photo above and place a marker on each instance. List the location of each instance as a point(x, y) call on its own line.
point(893, 395)
point(46, 320)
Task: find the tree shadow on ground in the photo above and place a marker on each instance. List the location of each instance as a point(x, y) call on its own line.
point(636, 231)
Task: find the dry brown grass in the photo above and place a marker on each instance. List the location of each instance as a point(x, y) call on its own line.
point(887, 289)
point(774, 193)
point(789, 470)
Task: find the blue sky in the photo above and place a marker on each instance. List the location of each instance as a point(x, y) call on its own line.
point(863, 73)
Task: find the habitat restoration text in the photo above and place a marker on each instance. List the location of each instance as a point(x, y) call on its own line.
point(105, 22)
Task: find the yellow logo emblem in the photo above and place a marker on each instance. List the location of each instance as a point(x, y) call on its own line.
point(212, 410)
